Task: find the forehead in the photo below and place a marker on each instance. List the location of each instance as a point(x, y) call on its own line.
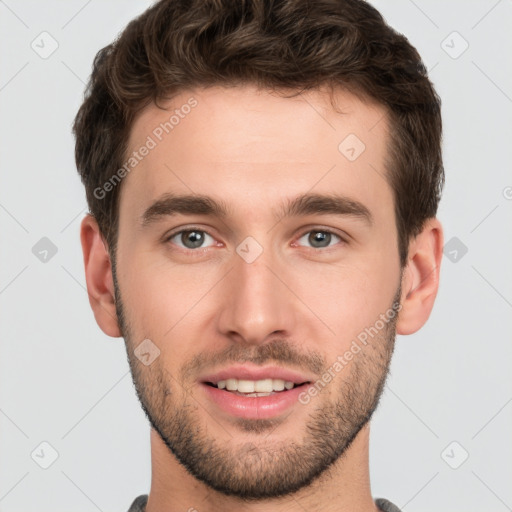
point(245, 144)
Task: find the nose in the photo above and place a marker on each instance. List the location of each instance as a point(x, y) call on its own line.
point(257, 303)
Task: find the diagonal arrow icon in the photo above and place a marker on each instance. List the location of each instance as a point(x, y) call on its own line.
point(249, 253)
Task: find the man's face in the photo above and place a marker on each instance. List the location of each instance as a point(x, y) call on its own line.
point(256, 293)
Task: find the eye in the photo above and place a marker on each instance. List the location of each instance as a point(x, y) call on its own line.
point(190, 238)
point(320, 238)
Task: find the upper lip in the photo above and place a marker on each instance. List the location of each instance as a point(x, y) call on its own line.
point(248, 372)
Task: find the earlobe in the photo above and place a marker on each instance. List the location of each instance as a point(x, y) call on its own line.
point(98, 276)
point(420, 280)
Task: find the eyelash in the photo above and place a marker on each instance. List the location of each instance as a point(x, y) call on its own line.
point(200, 250)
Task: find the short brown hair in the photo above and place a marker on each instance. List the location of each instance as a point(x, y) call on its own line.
point(297, 45)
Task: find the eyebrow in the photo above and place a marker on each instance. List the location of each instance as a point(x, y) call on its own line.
point(307, 204)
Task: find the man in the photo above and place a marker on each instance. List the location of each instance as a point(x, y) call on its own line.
point(263, 181)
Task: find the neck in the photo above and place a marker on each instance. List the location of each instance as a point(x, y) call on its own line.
point(343, 487)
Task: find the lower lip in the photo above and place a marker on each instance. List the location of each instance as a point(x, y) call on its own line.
point(256, 407)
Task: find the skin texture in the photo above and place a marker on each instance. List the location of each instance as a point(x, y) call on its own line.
point(297, 305)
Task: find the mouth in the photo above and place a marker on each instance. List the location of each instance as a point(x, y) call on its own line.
point(255, 388)
point(254, 393)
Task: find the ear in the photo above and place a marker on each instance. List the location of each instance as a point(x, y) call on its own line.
point(420, 280)
point(98, 276)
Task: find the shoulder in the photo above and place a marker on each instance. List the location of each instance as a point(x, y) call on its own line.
point(386, 506)
point(139, 504)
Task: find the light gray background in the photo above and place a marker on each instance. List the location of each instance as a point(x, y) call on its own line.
point(62, 381)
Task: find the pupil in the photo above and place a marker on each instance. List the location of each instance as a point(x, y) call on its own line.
point(318, 238)
point(192, 239)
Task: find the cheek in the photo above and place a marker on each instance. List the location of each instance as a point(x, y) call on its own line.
point(347, 297)
point(161, 297)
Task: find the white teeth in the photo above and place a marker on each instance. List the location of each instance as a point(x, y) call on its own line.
point(263, 386)
point(246, 386)
point(278, 384)
point(255, 386)
point(231, 384)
